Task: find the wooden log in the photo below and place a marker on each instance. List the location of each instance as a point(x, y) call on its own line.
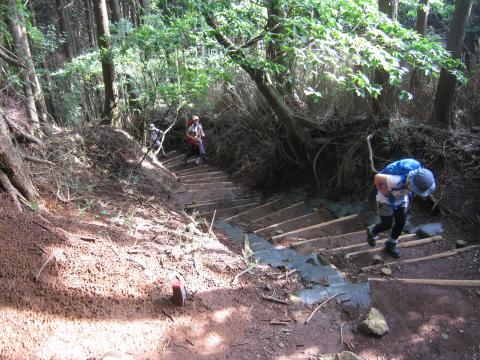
point(279, 211)
point(273, 226)
point(341, 236)
point(318, 226)
point(252, 210)
point(442, 282)
point(379, 242)
point(401, 245)
point(426, 258)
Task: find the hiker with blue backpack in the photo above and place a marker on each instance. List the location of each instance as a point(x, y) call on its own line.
point(395, 185)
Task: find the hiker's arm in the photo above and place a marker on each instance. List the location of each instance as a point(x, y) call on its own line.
point(381, 183)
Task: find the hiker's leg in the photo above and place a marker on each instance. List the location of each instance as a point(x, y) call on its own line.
point(400, 215)
point(385, 211)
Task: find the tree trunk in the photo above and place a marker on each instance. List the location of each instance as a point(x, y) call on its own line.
point(421, 27)
point(422, 16)
point(446, 85)
point(110, 111)
point(389, 7)
point(64, 27)
point(92, 41)
point(13, 175)
point(381, 105)
point(36, 102)
point(115, 10)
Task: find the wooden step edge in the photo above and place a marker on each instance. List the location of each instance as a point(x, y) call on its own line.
point(206, 203)
point(207, 213)
point(171, 160)
point(196, 168)
point(189, 182)
point(253, 209)
point(440, 255)
point(401, 245)
point(273, 226)
point(334, 237)
point(278, 212)
point(317, 226)
point(379, 242)
point(213, 183)
point(441, 282)
point(182, 177)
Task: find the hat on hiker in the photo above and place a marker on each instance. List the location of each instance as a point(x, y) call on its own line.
point(195, 117)
point(421, 182)
point(151, 127)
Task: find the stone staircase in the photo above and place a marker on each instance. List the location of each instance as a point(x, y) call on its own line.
point(324, 241)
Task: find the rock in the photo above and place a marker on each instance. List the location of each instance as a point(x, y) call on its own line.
point(347, 355)
point(281, 345)
point(294, 298)
point(460, 243)
point(279, 232)
point(445, 336)
point(374, 324)
point(386, 271)
point(298, 316)
point(268, 287)
point(377, 259)
point(428, 230)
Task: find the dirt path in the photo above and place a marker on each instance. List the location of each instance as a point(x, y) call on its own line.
point(115, 247)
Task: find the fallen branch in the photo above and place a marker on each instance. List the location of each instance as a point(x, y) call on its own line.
point(279, 322)
point(235, 279)
point(287, 274)
point(349, 345)
point(271, 298)
point(322, 304)
point(37, 160)
point(211, 224)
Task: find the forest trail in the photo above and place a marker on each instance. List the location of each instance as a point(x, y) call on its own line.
point(324, 244)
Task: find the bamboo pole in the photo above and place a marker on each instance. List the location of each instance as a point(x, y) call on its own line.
point(318, 226)
point(443, 282)
point(404, 245)
point(425, 258)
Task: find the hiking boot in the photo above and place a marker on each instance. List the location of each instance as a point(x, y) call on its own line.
point(392, 249)
point(197, 161)
point(371, 237)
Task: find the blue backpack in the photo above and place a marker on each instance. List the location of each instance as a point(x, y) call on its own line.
point(401, 168)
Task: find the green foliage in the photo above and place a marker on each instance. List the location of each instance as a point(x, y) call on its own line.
point(343, 40)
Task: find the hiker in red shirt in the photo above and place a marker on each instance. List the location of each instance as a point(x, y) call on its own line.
point(195, 139)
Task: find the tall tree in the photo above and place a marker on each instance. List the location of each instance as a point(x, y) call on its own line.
point(422, 16)
point(64, 27)
point(35, 99)
point(115, 10)
point(381, 106)
point(110, 112)
point(447, 83)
